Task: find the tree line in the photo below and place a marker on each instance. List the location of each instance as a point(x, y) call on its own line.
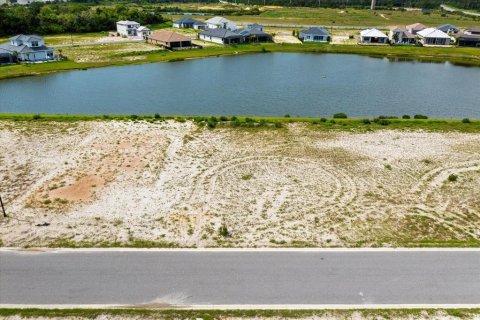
point(43, 18)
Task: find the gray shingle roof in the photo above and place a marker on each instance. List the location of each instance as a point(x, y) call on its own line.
point(220, 33)
point(448, 27)
point(315, 31)
point(23, 37)
point(22, 49)
point(188, 20)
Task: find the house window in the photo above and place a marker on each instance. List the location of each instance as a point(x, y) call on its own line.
point(318, 38)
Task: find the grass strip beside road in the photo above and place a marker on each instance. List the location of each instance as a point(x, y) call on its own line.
point(461, 56)
point(223, 314)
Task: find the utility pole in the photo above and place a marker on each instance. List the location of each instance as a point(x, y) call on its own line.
point(374, 2)
point(3, 208)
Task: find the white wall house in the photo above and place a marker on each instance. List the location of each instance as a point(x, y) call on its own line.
point(132, 29)
point(144, 32)
point(369, 36)
point(314, 34)
point(28, 48)
point(434, 37)
point(219, 22)
point(221, 36)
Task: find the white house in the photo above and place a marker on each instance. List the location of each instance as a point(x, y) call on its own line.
point(433, 37)
point(373, 36)
point(27, 48)
point(219, 22)
point(144, 32)
point(189, 23)
point(132, 29)
point(314, 34)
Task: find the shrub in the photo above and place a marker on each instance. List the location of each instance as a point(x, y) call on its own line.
point(278, 124)
point(157, 116)
point(420, 116)
point(366, 121)
point(466, 120)
point(223, 231)
point(340, 115)
point(333, 121)
point(452, 177)
point(223, 118)
point(213, 118)
point(323, 119)
point(211, 124)
point(382, 122)
point(36, 117)
point(286, 116)
point(236, 123)
point(406, 116)
point(233, 118)
point(134, 117)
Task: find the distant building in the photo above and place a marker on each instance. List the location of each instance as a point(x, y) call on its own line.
point(132, 29)
point(222, 23)
point(400, 36)
point(373, 36)
point(170, 40)
point(314, 34)
point(222, 36)
point(26, 48)
point(448, 28)
point(254, 33)
point(189, 23)
point(415, 28)
point(433, 37)
point(469, 38)
point(474, 31)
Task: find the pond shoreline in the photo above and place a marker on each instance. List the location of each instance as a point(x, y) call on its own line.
point(457, 56)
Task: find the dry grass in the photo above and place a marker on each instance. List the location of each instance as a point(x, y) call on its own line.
point(112, 182)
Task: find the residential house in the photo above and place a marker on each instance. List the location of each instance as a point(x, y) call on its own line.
point(448, 28)
point(170, 40)
point(373, 36)
point(26, 48)
point(132, 29)
point(143, 32)
point(474, 31)
point(314, 34)
point(222, 36)
point(433, 37)
point(415, 28)
point(469, 38)
point(189, 23)
point(400, 36)
point(222, 23)
point(254, 33)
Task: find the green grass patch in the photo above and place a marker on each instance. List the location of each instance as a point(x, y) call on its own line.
point(219, 314)
point(251, 122)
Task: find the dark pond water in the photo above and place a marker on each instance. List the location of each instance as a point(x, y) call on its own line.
point(262, 84)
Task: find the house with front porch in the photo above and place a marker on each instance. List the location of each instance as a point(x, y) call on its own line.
point(373, 36)
point(26, 48)
point(170, 40)
point(400, 36)
point(314, 34)
point(433, 37)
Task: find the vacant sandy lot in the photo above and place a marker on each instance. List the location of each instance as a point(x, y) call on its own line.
point(295, 186)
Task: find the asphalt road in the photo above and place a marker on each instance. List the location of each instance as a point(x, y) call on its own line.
point(200, 278)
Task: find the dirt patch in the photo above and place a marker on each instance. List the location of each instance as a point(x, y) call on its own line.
point(295, 186)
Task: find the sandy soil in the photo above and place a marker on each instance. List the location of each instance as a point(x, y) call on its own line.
point(176, 182)
point(423, 315)
point(285, 37)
